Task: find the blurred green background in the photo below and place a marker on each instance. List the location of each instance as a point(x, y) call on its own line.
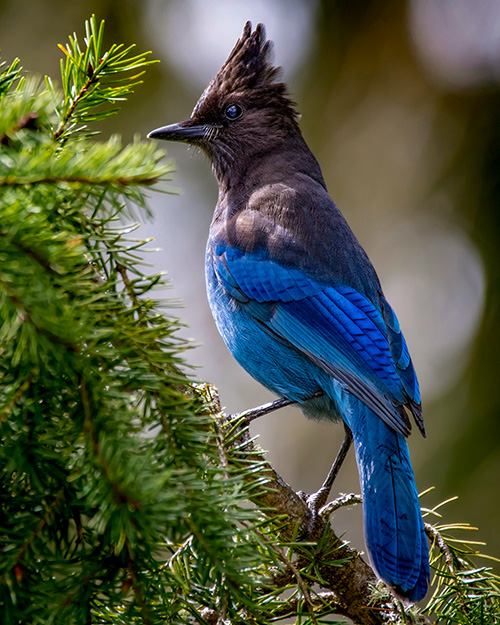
point(400, 102)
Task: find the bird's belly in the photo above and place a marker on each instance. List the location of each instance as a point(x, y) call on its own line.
point(271, 361)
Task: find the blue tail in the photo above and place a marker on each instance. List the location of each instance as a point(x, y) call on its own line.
point(394, 528)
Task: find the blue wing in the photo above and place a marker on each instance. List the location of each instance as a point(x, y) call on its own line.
point(337, 327)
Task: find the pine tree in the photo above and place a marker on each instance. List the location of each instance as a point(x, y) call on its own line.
point(126, 496)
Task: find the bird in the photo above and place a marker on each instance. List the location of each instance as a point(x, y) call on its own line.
point(298, 302)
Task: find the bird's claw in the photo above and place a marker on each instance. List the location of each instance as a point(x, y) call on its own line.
point(314, 502)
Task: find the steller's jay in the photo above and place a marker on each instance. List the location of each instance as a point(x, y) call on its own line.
point(298, 302)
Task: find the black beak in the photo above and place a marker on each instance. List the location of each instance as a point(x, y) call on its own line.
point(186, 131)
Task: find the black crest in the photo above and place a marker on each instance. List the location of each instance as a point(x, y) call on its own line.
point(249, 72)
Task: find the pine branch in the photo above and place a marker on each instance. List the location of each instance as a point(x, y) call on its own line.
point(465, 592)
point(88, 365)
point(352, 582)
point(89, 79)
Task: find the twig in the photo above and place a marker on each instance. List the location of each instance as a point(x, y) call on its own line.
point(317, 500)
point(119, 494)
point(320, 599)
point(344, 500)
point(120, 181)
point(42, 523)
point(26, 315)
point(32, 254)
point(93, 78)
point(137, 586)
point(224, 604)
point(434, 534)
point(177, 552)
point(16, 397)
point(122, 270)
point(296, 573)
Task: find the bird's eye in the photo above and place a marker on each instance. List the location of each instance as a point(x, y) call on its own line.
point(233, 111)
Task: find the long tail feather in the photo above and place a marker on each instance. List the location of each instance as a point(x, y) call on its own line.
point(394, 528)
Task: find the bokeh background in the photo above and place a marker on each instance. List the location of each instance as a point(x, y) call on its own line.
point(400, 102)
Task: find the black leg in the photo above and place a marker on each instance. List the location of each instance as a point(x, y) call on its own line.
point(317, 500)
point(260, 411)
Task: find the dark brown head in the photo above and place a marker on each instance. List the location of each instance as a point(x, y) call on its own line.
point(243, 111)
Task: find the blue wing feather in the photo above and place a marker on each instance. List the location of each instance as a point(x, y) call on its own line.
point(404, 365)
point(260, 279)
point(336, 326)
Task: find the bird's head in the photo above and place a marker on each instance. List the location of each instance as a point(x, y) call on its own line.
point(244, 111)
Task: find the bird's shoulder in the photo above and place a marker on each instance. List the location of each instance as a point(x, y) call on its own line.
point(277, 215)
point(293, 222)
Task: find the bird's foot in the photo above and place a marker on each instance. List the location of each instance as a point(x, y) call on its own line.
point(317, 500)
point(314, 502)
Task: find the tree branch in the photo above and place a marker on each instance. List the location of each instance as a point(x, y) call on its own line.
point(352, 583)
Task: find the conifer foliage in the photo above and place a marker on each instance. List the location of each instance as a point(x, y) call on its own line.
point(114, 505)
